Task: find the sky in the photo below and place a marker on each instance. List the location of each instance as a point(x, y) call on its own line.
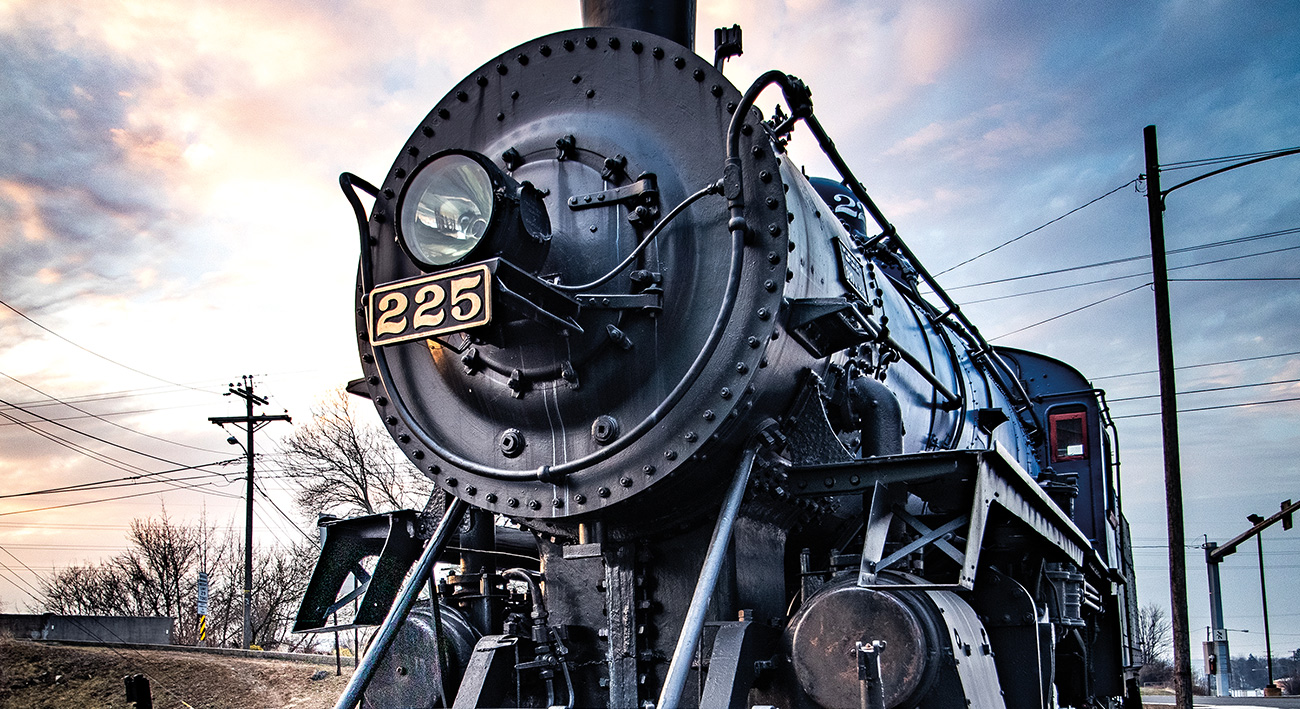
point(170, 220)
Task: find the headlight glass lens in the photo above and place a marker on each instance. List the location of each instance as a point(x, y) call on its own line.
point(446, 210)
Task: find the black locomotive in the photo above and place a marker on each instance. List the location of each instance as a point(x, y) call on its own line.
point(701, 436)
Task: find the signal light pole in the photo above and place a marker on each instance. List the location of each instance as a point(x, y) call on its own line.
point(1214, 554)
point(251, 423)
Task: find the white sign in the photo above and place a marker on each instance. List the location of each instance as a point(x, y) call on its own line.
point(203, 593)
point(1221, 634)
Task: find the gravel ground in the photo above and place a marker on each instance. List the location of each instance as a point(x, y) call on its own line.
point(38, 675)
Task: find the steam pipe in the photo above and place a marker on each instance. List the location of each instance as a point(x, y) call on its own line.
point(670, 19)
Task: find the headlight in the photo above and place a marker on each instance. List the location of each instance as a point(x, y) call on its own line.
point(446, 210)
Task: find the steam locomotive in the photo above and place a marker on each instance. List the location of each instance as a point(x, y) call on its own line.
point(702, 435)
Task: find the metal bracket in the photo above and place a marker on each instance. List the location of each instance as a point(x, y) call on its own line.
point(737, 658)
point(487, 679)
point(879, 519)
point(643, 191)
point(975, 480)
point(641, 197)
point(644, 302)
point(391, 537)
point(532, 298)
point(825, 326)
point(936, 535)
point(931, 535)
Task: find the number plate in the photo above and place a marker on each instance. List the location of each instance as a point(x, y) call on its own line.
point(430, 305)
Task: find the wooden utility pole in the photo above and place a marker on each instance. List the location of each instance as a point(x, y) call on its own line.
point(1169, 427)
point(1169, 412)
point(251, 423)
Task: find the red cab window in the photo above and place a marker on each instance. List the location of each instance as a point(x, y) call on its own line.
point(1069, 434)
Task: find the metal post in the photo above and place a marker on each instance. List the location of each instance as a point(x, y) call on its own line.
point(338, 659)
point(1263, 596)
point(1219, 633)
point(1169, 426)
point(675, 679)
point(401, 607)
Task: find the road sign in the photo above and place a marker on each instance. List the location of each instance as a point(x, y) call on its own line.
point(203, 593)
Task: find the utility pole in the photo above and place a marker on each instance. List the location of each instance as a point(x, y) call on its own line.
point(1169, 427)
point(1169, 416)
point(251, 423)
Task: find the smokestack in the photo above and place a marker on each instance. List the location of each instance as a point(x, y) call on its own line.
point(671, 19)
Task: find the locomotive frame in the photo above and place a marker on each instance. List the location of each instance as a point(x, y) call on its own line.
point(817, 488)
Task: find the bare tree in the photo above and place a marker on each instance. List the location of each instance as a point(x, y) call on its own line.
point(1153, 640)
point(156, 576)
point(1153, 630)
point(344, 467)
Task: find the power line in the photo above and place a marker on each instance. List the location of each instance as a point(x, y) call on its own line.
point(1070, 312)
point(291, 521)
point(1206, 162)
point(24, 316)
point(1126, 277)
point(195, 487)
point(101, 418)
point(131, 480)
point(1037, 228)
point(109, 395)
point(1203, 391)
point(75, 447)
point(87, 435)
point(93, 455)
point(1234, 280)
point(277, 531)
point(1144, 257)
point(130, 412)
point(1214, 408)
point(1056, 288)
point(1203, 364)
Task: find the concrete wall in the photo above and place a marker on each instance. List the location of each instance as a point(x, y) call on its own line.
point(91, 628)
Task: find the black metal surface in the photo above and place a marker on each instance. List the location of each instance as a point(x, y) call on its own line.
point(1011, 619)
point(406, 597)
point(823, 636)
point(641, 109)
point(390, 537)
point(671, 19)
point(604, 406)
point(410, 675)
point(741, 651)
point(487, 681)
